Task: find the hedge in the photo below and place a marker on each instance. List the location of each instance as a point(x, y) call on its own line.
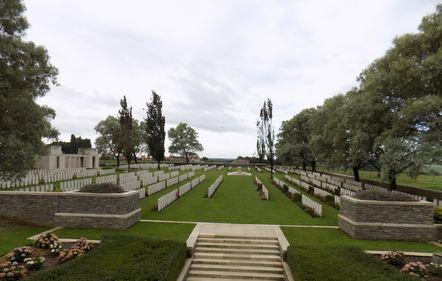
point(122, 257)
point(346, 263)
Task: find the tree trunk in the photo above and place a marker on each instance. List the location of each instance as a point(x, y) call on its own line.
point(135, 158)
point(304, 166)
point(356, 173)
point(118, 160)
point(158, 165)
point(392, 182)
point(187, 158)
point(314, 166)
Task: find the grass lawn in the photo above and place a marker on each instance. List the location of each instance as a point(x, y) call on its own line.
point(335, 237)
point(313, 263)
point(174, 231)
point(422, 181)
point(123, 258)
point(13, 235)
point(235, 201)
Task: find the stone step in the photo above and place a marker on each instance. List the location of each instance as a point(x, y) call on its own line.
point(219, 279)
point(237, 246)
point(236, 256)
point(236, 275)
point(236, 251)
point(237, 262)
point(210, 235)
point(238, 241)
point(237, 268)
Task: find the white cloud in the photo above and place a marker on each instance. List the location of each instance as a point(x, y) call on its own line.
point(213, 62)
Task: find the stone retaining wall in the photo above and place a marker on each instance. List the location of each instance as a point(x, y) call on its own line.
point(387, 220)
point(89, 210)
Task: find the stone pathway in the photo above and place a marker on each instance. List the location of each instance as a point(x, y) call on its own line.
point(223, 251)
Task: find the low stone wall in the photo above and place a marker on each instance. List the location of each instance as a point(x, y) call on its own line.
point(89, 210)
point(387, 220)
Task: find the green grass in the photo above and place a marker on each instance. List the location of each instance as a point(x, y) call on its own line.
point(12, 236)
point(335, 238)
point(121, 258)
point(313, 263)
point(174, 231)
point(422, 181)
point(235, 201)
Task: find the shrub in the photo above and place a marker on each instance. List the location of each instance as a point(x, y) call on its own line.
point(49, 241)
point(34, 263)
point(19, 254)
point(438, 214)
point(285, 188)
point(435, 269)
point(394, 258)
point(81, 247)
point(417, 269)
point(102, 188)
point(297, 197)
point(379, 195)
point(10, 271)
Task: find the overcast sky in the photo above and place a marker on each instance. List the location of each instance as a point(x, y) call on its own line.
point(212, 62)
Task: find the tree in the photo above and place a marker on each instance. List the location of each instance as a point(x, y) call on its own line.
point(408, 81)
point(127, 137)
point(184, 141)
point(73, 145)
point(25, 75)
point(294, 140)
point(154, 131)
point(266, 136)
point(108, 141)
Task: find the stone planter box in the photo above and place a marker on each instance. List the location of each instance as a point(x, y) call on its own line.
point(387, 220)
point(72, 209)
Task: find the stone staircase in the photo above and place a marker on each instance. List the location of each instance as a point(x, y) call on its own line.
point(234, 257)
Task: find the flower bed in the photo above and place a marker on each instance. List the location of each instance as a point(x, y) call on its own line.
point(47, 252)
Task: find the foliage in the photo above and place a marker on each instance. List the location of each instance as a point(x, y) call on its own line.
point(379, 195)
point(34, 263)
point(81, 247)
point(344, 263)
point(109, 138)
point(154, 134)
point(128, 133)
point(394, 258)
point(105, 187)
point(184, 141)
point(266, 135)
point(49, 241)
point(123, 258)
point(295, 138)
point(26, 74)
point(73, 146)
point(10, 271)
point(438, 214)
point(416, 269)
point(19, 254)
point(435, 269)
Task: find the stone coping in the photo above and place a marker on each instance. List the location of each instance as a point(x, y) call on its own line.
point(385, 224)
point(376, 202)
point(123, 194)
point(86, 215)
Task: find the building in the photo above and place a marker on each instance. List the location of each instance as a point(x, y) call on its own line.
point(56, 159)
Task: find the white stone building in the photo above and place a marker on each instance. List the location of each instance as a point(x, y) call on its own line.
point(56, 159)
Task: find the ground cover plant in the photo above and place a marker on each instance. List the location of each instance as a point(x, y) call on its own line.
point(122, 257)
point(339, 263)
point(102, 188)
